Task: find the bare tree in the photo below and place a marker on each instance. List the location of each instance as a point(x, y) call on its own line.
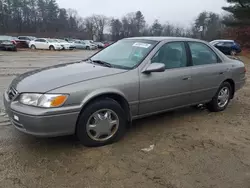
point(89, 27)
point(100, 22)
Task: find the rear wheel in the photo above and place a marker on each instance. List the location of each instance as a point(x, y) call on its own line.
point(52, 48)
point(87, 48)
point(221, 99)
point(102, 122)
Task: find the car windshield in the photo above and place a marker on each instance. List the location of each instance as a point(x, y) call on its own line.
point(125, 54)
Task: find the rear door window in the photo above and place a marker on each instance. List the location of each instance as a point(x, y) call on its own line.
point(202, 54)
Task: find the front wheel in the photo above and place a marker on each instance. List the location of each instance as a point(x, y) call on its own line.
point(87, 48)
point(102, 122)
point(33, 47)
point(221, 99)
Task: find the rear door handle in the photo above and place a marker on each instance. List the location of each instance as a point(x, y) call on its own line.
point(187, 78)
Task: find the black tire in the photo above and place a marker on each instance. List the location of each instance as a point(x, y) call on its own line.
point(14, 49)
point(33, 47)
point(213, 105)
point(87, 48)
point(52, 48)
point(105, 103)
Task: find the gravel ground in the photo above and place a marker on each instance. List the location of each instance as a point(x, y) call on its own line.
point(189, 148)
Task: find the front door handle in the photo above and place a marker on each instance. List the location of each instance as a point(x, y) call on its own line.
point(187, 78)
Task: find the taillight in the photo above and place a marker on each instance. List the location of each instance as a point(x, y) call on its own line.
point(14, 42)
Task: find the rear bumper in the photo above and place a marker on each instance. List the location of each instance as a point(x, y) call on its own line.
point(42, 126)
point(239, 85)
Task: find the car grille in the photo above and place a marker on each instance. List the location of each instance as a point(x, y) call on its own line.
point(12, 93)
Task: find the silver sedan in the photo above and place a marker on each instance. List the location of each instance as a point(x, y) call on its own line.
point(97, 99)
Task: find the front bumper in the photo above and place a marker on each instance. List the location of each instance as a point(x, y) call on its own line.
point(93, 47)
point(40, 125)
point(59, 47)
point(69, 47)
point(9, 47)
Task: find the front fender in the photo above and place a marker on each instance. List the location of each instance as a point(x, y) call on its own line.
point(100, 92)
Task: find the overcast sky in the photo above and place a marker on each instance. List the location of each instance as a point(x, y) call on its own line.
point(175, 11)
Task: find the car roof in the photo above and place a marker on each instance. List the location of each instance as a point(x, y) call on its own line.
point(5, 36)
point(164, 39)
point(26, 36)
point(222, 40)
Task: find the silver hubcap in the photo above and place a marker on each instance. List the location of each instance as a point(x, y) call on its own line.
point(223, 97)
point(102, 125)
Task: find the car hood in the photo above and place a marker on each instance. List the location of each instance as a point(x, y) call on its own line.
point(55, 43)
point(65, 43)
point(49, 78)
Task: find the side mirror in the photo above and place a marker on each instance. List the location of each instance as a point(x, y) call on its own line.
point(155, 67)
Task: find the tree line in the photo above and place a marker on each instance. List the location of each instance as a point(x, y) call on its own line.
point(46, 18)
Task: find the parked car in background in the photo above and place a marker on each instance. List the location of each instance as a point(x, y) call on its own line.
point(97, 98)
point(228, 47)
point(79, 44)
point(90, 45)
point(45, 44)
point(107, 43)
point(23, 41)
point(66, 45)
point(26, 38)
point(99, 44)
point(7, 43)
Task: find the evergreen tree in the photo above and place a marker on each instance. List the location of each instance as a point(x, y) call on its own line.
point(156, 29)
point(139, 22)
point(240, 9)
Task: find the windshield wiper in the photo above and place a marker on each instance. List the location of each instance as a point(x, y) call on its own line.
point(100, 62)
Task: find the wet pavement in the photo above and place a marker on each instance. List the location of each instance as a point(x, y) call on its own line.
point(189, 148)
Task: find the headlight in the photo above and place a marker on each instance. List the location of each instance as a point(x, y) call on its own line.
point(40, 100)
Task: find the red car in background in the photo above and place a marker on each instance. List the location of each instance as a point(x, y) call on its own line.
point(106, 43)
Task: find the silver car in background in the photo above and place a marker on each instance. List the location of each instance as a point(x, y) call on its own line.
point(97, 99)
point(79, 44)
point(90, 45)
point(66, 45)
